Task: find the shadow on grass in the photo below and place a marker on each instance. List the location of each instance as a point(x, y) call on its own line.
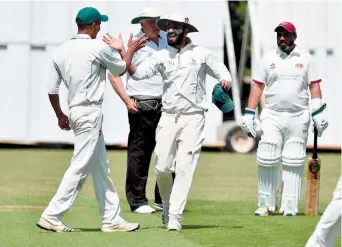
point(186, 227)
point(299, 214)
point(87, 229)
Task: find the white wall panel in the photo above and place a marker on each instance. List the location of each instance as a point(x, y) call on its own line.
point(120, 20)
point(47, 25)
point(14, 21)
point(14, 98)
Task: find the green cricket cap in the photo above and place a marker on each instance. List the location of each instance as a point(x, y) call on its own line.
point(89, 15)
point(221, 99)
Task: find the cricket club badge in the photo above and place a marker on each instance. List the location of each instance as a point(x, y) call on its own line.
point(272, 66)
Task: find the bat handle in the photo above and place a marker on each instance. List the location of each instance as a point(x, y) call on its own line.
point(314, 155)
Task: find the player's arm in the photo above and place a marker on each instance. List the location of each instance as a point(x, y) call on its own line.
point(257, 89)
point(249, 124)
point(111, 59)
point(255, 95)
point(317, 105)
point(218, 70)
point(120, 90)
point(147, 68)
point(132, 47)
point(54, 82)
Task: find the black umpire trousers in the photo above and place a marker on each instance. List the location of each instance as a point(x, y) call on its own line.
point(141, 143)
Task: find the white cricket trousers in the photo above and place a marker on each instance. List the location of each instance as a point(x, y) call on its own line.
point(179, 139)
point(283, 140)
point(329, 226)
point(89, 157)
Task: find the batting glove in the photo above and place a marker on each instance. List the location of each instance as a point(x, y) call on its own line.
point(318, 116)
point(249, 124)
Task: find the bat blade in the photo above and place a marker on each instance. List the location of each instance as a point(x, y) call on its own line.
point(313, 184)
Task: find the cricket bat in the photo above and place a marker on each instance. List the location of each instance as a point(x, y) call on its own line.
point(313, 181)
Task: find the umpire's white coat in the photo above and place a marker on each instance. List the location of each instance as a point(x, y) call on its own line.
point(81, 64)
point(179, 133)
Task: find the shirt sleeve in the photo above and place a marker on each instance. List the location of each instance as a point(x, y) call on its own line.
point(149, 68)
point(313, 76)
point(112, 61)
point(54, 79)
point(217, 69)
point(260, 76)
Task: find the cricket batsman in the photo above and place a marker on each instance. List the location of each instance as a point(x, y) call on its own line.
point(288, 78)
point(179, 135)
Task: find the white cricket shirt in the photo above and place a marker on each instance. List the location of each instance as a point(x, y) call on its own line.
point(153, 86)
point(184, 73)
point(287, 79)
point(81, 64)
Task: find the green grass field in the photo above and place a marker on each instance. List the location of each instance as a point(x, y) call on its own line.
point(220, 210)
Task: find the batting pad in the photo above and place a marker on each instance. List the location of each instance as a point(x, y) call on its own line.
point(268, 183)
point(292, 184)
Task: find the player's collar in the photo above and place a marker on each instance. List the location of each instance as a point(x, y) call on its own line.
point(295, 52)
point(81, 36)
point(188, 46)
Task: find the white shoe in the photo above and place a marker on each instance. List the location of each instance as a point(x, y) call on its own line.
point(174, 223)
point(47, 226)
point(145, 209)
point(158, 206)
point(122, 227)
point(263, 211)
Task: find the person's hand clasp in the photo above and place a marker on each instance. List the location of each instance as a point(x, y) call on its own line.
point(63, 122)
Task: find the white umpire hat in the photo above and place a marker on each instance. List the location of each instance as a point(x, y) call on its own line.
point(146, 14)
point(163, 22)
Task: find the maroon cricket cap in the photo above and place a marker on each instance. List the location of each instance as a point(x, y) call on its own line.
point(288, 26)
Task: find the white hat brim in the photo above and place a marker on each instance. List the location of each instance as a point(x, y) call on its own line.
point(138, 19)
point(161, 24)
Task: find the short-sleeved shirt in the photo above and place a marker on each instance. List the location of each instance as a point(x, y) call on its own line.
point(184, 76)
point(81, 64)
point(151, 87)
point(287, 78)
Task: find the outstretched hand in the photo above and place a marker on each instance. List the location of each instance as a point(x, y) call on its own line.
point(115, 43)
point(137, 44)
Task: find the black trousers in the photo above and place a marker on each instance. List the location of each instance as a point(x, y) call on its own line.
point(141, 143)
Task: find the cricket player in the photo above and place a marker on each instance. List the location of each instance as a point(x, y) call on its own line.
point(179, 135)
point(143, 102)
point(81, 64)
point(287, 77)
point(329, 226)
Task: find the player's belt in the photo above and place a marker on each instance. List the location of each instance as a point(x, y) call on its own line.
point(147, 103)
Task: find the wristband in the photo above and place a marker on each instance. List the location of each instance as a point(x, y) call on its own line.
point(319, 110)
point(249, 111)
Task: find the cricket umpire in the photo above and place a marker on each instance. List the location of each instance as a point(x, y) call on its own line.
point(143, 102)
